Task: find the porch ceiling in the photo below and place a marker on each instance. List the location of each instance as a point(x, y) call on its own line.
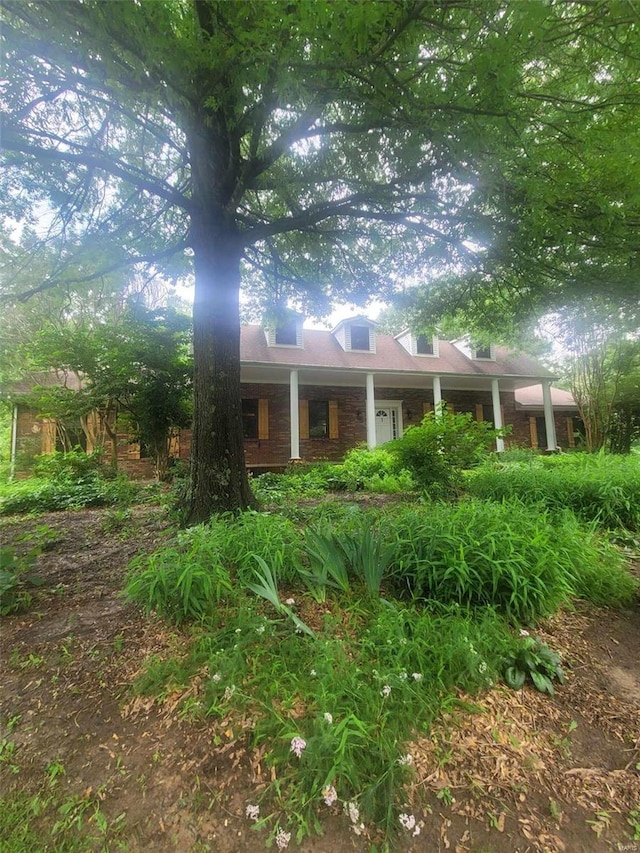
point(276, 375)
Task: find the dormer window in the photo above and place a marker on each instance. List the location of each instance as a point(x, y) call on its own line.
point(356, 334)
point(360, 338)
point(286, 335)
point(285, 332)
point(483, 352)
point(424, 345)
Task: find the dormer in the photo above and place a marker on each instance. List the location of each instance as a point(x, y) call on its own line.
point(285, 331)
point(357, 334)
point(419, 344)
point(476, 351)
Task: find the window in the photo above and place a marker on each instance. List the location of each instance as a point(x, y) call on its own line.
point(250, 419)
point(360, 337)
point(318, 419)
point(482, 352)
point(287, 334)
point(424, 345)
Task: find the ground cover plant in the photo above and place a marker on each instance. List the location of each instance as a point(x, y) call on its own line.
point(67, 481)
point(343, 641)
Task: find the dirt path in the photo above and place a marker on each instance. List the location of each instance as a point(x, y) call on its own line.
point(522, 773)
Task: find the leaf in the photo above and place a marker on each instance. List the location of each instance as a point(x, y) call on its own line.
point(542, 683)
point(514, 677)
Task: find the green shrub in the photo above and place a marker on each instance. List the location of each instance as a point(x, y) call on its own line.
point(479, 553)
point(183, 581)
point(73, 464)
point(374, 470)
point(600, 488)
point(437, 450)
point(62, 493)
point(257, 533)
point(17, 574)
point(299, 482)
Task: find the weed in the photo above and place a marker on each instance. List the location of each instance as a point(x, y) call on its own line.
point(536, 661)
point(16, 576)
point(54, 770)
point(633, 820)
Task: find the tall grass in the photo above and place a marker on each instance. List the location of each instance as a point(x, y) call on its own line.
point(600, 488)
point(524, 562)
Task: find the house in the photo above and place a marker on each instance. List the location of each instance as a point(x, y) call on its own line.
point(313, 395)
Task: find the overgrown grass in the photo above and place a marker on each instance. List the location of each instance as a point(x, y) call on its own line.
point(390, 616)
point(354, 693)
point(600, 488)
point(524, 561)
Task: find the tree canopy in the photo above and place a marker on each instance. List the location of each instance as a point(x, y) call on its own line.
point(319, 150)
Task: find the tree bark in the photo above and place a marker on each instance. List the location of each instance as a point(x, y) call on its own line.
point(219, 481)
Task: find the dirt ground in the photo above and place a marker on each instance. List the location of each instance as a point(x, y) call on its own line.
point(519, 772)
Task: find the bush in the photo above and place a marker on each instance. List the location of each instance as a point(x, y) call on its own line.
point(38, 495)
point(479, 553)
point(181, 582)
point(300, 481)
point(437, 450)
point(186, 579)
point(374, 470)
point(72, 465)
point(600, 488)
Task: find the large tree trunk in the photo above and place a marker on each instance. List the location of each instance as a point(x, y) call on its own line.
point(219, 479)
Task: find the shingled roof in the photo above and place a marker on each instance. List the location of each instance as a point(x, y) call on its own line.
point(322, 350)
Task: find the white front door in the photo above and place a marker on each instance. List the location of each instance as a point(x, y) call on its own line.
point(385, 425)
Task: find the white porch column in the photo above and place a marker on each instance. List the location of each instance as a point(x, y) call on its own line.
point(497, 413)
point(371, 412)
point(294, 414)
point(549, 420)
point(437, 394)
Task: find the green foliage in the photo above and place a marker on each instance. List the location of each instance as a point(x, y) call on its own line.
point(247, 535)
point(534, 660)
point(16, 576)
point(300, 482)
point(182, 582)
point(374, 470)
point(71, 465)
point(64, 492)
point(355, 692)
point(600, 488)
point(442, 446)
point(190, 577)
point(479, 553)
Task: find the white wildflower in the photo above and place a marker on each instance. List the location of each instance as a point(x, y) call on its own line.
point(282, 839)
point(386, 691)
point(328, 718)
point(358, 828)
point(417, 676)
point(403, 676)
point(353, 811)
point(482, 668)
point(252, 812)
point(290, 601)
point(229, 691)
point(406, 760)
point(313, 672)
point(330, 795)
point(407, 820)
point(298, 745)
point(260, 629)
point(216, 677)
